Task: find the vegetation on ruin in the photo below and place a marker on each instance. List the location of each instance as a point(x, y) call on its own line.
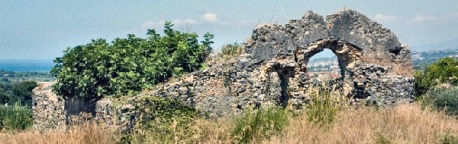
point(128, 65)
point(231, 50)
point(160, 119)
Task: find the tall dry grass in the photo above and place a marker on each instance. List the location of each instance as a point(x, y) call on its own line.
point(82, 134)
point(401, 124)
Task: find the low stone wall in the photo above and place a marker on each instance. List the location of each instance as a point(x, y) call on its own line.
point(207, 92)
point(48, 109)
point(53, 112)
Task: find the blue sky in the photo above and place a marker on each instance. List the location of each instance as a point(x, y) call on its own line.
point(42, 29)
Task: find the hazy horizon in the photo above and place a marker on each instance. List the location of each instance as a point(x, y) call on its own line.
point(41, 30)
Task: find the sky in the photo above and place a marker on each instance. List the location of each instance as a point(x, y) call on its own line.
point(41, 30)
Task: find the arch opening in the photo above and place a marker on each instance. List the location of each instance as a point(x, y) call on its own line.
point(325, 65)
point(336, 70)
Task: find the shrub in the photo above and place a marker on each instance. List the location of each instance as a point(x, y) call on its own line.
point(449, 139)
point(381, 139)
point(15, 117)
point(129, 64)
point(164, 120)
point(446, 100)
point(441, 99)
point(231, 50)
point(322, 109)
point(443, 71)
point(260, 124)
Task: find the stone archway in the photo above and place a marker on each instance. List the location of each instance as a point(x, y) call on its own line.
point(288, 80)
point(346, 53)
point(351, 36)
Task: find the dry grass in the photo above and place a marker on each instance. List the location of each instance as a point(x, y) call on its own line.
point(213, 132)
point(83, 134)
point(402, 124)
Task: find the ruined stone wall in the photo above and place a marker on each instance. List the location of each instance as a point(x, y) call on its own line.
point(272, 70)
point(53, 112)
point(48, 110)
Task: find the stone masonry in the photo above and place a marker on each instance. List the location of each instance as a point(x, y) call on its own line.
point(272, 70)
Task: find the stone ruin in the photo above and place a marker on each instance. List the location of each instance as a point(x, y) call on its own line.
point(272, 70)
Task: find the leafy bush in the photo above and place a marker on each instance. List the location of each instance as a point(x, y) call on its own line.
point(127, 65)
point(260, 124)
point(15, 118)
point(443, 71)
point(164, 120)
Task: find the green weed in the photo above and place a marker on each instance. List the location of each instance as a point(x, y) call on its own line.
point(260, 124)
point(15, 118)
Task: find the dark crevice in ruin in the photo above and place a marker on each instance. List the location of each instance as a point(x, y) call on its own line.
point(284, 80)
point(342, 66)
point(396, 51)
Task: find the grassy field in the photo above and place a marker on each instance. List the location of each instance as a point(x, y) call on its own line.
point(402, 124)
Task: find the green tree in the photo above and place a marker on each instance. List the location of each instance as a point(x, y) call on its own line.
point(4, 97)
point(4, 93)
point(127, 65)
point(22, 92)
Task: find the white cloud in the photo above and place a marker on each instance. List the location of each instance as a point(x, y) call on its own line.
point(177, 22)
point(384, 18)
point(152, 24)
point(184, 22)
point(209, 17)
point(206, 20)
point(424, 18)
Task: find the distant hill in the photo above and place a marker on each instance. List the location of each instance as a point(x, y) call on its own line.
point(449, 44)
point(419, 59)
point(427, 57)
